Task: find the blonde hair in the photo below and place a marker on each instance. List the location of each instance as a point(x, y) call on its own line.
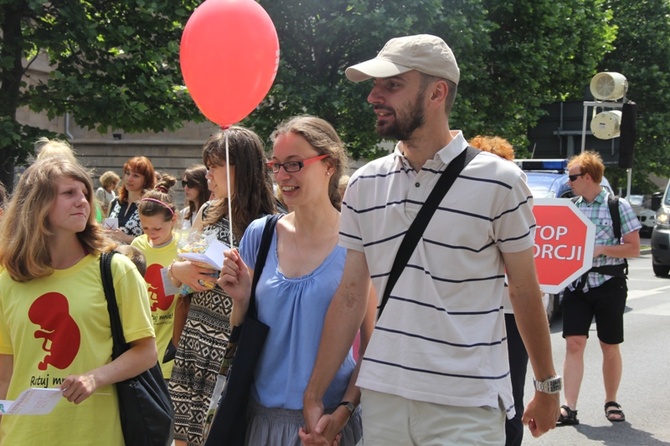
point(50, 148)
point(24, 229)
point(109, 179)
point(3, 195)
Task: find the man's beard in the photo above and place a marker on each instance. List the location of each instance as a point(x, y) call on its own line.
point(402, 129)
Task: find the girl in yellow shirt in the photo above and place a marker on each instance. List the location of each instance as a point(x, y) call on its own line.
point(54, 325)
point(158, 217)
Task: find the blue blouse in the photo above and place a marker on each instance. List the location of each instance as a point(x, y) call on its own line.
point(295, 310)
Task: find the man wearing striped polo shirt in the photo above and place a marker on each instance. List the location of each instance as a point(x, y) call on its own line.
point(436, 368)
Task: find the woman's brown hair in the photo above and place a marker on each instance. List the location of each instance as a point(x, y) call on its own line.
point(251, 195)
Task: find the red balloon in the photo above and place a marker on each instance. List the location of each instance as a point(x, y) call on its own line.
point(229, 55)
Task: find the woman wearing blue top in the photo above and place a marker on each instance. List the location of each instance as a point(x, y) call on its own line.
point(302, 272)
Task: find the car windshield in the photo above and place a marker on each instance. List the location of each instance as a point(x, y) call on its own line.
point(541, 192)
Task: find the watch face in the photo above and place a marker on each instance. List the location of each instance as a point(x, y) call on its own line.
point(551, 385)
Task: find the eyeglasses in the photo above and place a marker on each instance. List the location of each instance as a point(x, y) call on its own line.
point(190, 184)
point(575, 176)
point(294, 166)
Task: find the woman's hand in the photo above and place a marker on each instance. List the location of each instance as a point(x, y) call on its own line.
point(327, 431)
point(235, 278)
point(141, 355)
point(196, 277)
point(76, 388)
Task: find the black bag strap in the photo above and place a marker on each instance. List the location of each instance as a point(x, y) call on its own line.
point(619, 270)
point(418, 226)
point(613, 204)
point(263, 249)
point(120, 345)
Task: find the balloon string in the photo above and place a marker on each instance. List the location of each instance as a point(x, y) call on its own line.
point(230, 206)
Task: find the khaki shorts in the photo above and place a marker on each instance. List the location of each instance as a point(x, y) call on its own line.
point(390, 420)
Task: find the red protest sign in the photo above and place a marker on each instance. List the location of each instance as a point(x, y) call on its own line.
point(564, 242)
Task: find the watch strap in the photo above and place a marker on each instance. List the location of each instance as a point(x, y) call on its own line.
point(549, 385)
point(349, 405)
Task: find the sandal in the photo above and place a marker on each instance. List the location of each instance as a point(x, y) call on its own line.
point(616, 414)
point(570, 417)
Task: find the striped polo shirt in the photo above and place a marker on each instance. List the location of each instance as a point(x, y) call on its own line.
point(598, 212)
point(441, 338)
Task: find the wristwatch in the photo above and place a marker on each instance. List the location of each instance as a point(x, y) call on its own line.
point(550, 385)
point(349, 405)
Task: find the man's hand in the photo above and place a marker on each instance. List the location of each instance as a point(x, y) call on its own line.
point(542, 413)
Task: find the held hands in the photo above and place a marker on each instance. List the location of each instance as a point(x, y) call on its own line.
point(76, 388)
point(235, 278)
point(542, 413)
point(326, 427)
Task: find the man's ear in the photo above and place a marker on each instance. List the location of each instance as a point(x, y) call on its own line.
point(439, 91)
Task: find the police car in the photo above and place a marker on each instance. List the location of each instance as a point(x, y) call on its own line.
point(548, 178)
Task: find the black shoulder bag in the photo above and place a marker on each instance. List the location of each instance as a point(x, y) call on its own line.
point(147, 417)
point(418, 226)
point(229, 425)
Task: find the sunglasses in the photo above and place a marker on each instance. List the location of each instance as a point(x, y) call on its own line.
point(575, 176)
point(190, 184)
point(294, 166)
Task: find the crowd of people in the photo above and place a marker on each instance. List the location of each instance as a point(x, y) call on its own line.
point(433, 367)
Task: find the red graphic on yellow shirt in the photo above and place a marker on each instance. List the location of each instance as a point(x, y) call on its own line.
point(59, 331)
point(159, 301)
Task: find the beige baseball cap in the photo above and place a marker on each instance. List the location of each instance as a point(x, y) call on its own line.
point(423, 52)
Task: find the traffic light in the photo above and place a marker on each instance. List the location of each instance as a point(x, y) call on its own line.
point(627, 138)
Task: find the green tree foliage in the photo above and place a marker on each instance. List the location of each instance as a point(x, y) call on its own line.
point(318, 40)
point(514, 56)
point(538, 52)
point(117, 63)
point(117, 66)
point(642, 54)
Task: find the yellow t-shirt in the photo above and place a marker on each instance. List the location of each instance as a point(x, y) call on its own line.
point(59, 325)
point(162, 306)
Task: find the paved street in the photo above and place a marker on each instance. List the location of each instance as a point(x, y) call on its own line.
point(645, 389)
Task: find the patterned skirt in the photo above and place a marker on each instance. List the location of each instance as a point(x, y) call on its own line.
point(197, 362)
